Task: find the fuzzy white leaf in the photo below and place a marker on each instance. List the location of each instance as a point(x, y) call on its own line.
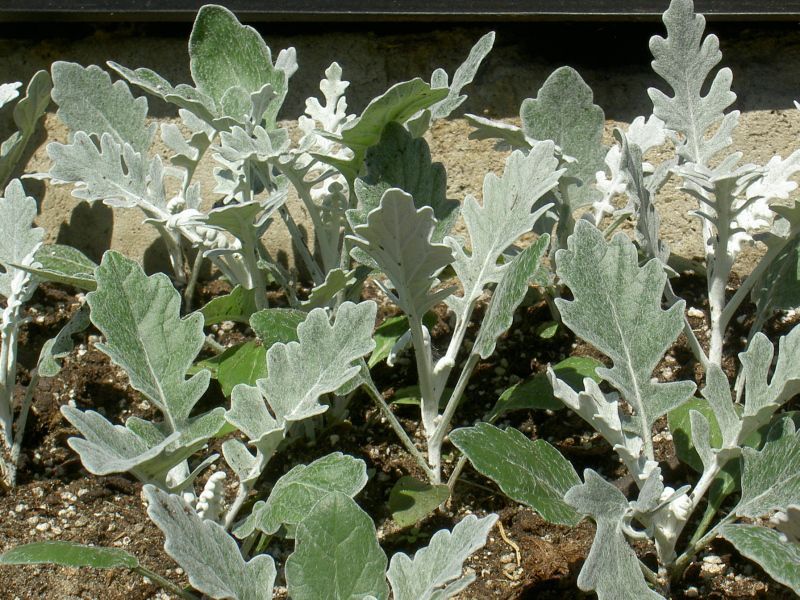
point(207, 553)
point(9, 92)
point(611, 569)
point(19, 239)
point(511, 206)
point(762, 396)
point(685, 60)
point(320, 362)
point(88, 101)
point(777, 556)
point(617, 308)
point(435, 572)
point(397, 237)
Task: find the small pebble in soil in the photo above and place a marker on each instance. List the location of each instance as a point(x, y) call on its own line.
point(695, 312)
point(692, 592)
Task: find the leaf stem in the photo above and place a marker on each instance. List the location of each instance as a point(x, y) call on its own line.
point(397, 427)
point(163, 582)
point(679, 566)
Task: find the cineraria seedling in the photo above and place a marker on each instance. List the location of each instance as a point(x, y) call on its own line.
point(231, 112)
point(734, 436)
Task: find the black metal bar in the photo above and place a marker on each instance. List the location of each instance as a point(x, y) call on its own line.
point(388, 10)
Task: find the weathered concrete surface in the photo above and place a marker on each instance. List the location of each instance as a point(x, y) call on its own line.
point(612, 58)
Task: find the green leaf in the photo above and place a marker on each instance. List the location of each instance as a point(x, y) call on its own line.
point(230, 61)
point(145, 335)
point(402, 161)
point(536, 393)
point(547, 330)
point(611, 569)
point(508, 295)
point(681, 428)
point(61, 345)
point(779, 287)
point(564, 112)
point(299, 490)
point(243, 363)
point(64, 264)
point(337, 554)
point(397, 237)
point(531, 472)
point(410, 395)
point(412, 500)
point(273, 325)
point(771, 476)
point(69, 554)
point(685, 60)
point(617, 308)
point(207, 553)
point(435, 572)
point(89, 102)
point(388, 334)
point(399, 103)
point(767, 547)
point(236, 306)
point(511, 206)
point(19, 239)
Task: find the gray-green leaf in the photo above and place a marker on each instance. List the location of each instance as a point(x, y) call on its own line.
point(61, 345)
point(145, 335)
point(89, 102)
point(777, 556)
point(296, 492)
point(69, 554)
point(617, 308)
point(337, 554)
point(611, 569)
point(19, 239)
point(434, 573)
point(207, 553)
point(771, 476)
point(412, 500)
point(531, 472)
point(236, 306)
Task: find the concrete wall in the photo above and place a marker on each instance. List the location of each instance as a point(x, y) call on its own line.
point(612, 58)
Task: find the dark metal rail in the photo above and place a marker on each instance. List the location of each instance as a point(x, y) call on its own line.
point(389, 10)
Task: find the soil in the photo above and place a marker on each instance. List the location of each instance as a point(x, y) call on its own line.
point(525, 557)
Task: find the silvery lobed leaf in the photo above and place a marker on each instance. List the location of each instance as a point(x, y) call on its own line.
point(27, 113)
point(685, 60)
point(617, 308)
point(260, 145)
point(611, 569)
point(401, 161)
point(9, 92)
point(397, 237)
point(63, 264)
point(321, 361)
point(145, 335)
point(762, 396)
point(776, 182)
point(435, 572)
point(771, 476)
point(486, 129)
point(564, 112)
point(602, 412)
point(229, 62)
point(648, 222)
point(19, 239)
point(718, 394)
point(88, 101)
point(61, 345)
point(298, 491)
point(207, 553)
point(116, 174)
point(788, 522)
point(511, 205)
point(463, 76)
point(249, 414)
point(337, 554)
point(508, 295)
point(769, 549)
point(531, 472)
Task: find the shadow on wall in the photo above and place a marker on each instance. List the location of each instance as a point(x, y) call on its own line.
point(613, 58)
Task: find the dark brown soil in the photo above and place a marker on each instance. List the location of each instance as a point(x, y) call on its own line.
point(526, 557)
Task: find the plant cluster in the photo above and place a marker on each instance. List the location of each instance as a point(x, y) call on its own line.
point(379, 209)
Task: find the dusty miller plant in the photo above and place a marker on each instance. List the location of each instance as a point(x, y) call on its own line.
point(734, 435)
point(231, 112)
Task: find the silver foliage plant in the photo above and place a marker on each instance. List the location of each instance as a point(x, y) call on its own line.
point(733, 433)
